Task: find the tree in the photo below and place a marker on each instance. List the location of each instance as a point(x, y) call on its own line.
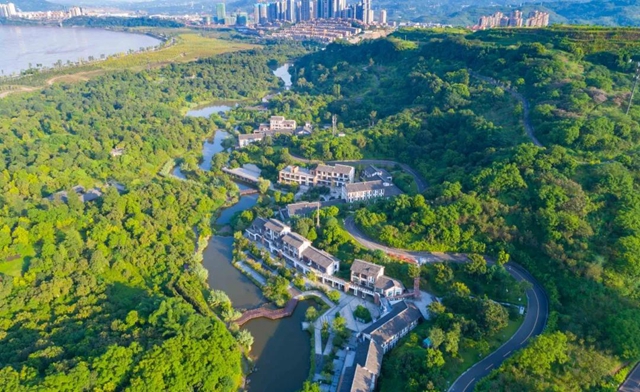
point(311, 314)
point(308, 386)
point(362, 313)
point(493, 316)
point(334, 296)
point(263, 186)
point(434, 359)
point(245, 339)
point(437, 337)
point(477, 265)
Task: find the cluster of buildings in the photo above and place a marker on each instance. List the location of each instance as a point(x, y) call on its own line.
point(363, 368)
point(362, 373)
point(278, 125)
point(366, 278)
point(293, 11)
point(376, 183)
point(9, 11)
point(515, 19)
point(322, 30)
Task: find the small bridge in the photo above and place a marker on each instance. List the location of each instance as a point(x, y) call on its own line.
point(250, 191)
point(271, 314)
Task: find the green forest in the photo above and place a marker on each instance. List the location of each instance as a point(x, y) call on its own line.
point(109, 294)
point(451, 104)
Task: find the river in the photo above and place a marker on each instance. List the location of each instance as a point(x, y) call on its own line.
point(24, 45)
point(281, 349)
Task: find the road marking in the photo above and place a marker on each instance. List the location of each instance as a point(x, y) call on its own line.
point(465, 388)
point(506, 354)
point(489, 367)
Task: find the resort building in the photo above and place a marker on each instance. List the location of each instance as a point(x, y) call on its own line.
point(371, 276)
point(297, 175)
point(374, 342)
point(372, 173)
point(277, 125)
point(362, 191)
point(322, 175)
point(245, 140)
point(294, 248)
point(337, 175)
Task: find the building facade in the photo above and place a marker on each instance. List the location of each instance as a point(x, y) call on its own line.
point(371, 276)
point(294, 248)
point(322, 175)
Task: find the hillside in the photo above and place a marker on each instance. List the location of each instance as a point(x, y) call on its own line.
point(445, 102)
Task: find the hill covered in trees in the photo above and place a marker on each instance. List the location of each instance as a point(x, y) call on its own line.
point(446, 102)
point(110, 294)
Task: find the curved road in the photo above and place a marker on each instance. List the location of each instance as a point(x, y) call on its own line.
point(420, 181)
point(534, 322)
point(632, 383)
point(525, 104)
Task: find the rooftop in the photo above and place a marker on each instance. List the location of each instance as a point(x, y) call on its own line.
point(258, 224)
point(366, 268)
point(386, 283)
point(302, 208)
point(297, 170)
point(295, 240)
point(319, 257)
point(251, 136)
point(340, 169)
point(364, 186)
point(401, 315)
point(276, 226)
point(366, 364)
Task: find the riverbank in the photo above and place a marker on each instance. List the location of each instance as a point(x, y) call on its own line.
point(183, 47)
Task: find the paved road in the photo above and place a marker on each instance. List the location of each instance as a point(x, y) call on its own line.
point(632, 383)
point(420, 181)
point(525, 104)
point(534, 322)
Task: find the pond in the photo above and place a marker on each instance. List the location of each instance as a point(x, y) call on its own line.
point(207, 111)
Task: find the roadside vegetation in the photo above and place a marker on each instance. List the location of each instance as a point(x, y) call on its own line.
point(565, 211)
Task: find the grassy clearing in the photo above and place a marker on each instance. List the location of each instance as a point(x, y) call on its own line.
point(13, 267)
point(187, 47)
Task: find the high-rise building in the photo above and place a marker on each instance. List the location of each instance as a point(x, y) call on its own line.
point(324, 9)
point(290, 14)
point(4, 11)
point(256, 14)
point(367, 11)
point(221, 12)
point(306, 10)
point(242, 19)
point(383, 17)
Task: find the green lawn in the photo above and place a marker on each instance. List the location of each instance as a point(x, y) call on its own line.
point(13, 268)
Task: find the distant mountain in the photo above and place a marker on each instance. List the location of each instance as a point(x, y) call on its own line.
point(36, 5)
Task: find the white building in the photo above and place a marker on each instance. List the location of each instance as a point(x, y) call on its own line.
point(361, 191)
point(322, 175)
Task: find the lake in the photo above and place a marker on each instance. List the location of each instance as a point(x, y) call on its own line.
point(281, 349)
point(24, 45)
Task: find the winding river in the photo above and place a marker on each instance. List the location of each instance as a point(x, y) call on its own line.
point(281, 349)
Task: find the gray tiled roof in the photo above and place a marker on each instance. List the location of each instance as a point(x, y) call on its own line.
point(385, 283)
point(365, 268)
point(275, 225)
point(319, 257)
point(303, 208)
point(401, 315)
point(364, 186)
point(251, 136)
point(258, 224)
point(340, 169)
point(362, 380)
point(294, 239)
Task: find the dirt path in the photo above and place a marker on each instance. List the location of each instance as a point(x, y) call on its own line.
point(70, 78)
point(525, 105)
